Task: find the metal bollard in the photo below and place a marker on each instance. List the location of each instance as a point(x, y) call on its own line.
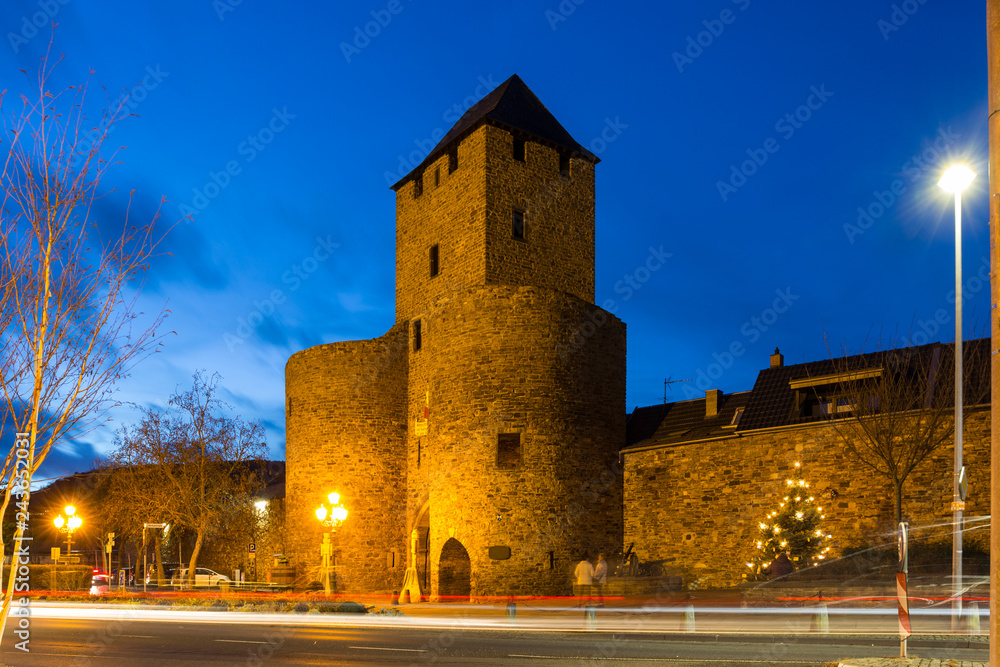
point(687, 622)
point(821, 617)
point(970, 619)
point(511, 612)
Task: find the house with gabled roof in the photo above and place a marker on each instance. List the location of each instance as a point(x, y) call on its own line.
point(700, 474)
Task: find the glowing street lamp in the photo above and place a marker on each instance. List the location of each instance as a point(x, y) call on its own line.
point(332, 518)
point(956, 178)
point(68, 525)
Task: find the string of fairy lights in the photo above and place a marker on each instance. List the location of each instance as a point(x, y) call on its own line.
point(794, 528)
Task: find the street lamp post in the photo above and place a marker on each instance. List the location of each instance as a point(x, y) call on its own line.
point(954, 180)
point(68, 525)
point(332, 518)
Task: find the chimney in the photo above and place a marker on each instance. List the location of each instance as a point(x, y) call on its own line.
point(712, 399)
point(777, 359)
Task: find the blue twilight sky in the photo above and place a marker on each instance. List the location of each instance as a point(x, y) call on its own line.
point(739, 136)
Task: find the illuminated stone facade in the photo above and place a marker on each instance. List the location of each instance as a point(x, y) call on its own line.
point(479, 419)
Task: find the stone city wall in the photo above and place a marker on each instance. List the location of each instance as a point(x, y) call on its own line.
point(701, 502)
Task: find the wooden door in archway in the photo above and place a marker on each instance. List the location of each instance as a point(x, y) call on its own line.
point(454, 572)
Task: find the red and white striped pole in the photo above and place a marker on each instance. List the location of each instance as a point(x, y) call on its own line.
point(902, 601)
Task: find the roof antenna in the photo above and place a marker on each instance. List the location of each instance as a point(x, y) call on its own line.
point(667, 382)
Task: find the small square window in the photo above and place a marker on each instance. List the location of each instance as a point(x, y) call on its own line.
point(518, 225)
point(418, 185)
point(417, 338)
point(453, 159)
point(434, 260)
point(508, 450)
point(519, 149)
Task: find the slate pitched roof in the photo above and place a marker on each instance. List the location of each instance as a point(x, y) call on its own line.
point(512, 106)
point(682, 421)
point(772, 401)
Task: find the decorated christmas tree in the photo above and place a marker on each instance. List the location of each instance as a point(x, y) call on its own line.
point(794, 527)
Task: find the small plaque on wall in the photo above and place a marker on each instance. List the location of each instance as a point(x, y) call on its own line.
point(420, 428)
point(499, 553)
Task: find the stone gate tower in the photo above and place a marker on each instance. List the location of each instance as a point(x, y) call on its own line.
point(489, 418)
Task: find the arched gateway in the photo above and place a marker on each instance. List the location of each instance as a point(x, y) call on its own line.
point(454, 572)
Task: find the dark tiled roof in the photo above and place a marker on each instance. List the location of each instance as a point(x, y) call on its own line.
point(772, 400)
point(513, 106)
point(683, 421)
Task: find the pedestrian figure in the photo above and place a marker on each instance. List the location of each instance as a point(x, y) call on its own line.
point(584, 579)
point(600, 578)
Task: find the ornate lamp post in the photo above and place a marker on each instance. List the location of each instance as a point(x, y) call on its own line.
point(68, 525)
point(332, 518)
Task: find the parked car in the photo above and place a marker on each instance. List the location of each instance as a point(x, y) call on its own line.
point(202, 577)
point(168, 573)
point(99, 583)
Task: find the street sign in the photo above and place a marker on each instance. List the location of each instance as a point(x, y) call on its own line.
point(253, 547)
point(55, 553)
point(963, 485)
point(958, 505)
point(154, 525)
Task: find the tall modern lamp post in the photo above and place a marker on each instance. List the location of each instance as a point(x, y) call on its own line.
point(331, 518)
point(956, 178)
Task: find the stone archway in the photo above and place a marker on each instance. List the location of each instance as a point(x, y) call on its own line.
point(454, 572)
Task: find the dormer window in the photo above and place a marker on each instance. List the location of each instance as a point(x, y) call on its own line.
point(837, 395)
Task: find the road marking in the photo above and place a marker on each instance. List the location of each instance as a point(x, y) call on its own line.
point(381, 648)
point(140, 636)
point(240, 641)
point(660, 660)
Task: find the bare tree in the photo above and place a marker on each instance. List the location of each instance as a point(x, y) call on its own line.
point(895, 407)
point(189, 465)
point(70, 327)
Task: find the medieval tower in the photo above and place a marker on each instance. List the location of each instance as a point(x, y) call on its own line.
point(487, 421)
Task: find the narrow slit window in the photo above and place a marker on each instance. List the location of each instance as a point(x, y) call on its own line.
point(437, 176)
point(564, 165)
point(519, 149)
point(508, 450)
point(418, 186)
point(417, 338)
point(453, 159)
point(518, 225)
point(435, 266)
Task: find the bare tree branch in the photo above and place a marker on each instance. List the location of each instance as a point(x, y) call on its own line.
point(70, 325)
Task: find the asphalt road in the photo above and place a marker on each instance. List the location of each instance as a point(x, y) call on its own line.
point(137, 641)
